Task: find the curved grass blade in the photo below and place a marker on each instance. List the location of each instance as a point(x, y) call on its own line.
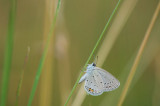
point(8, 53)
point(98, 41)
point(138, 57)
point(108, 42)
point(38, 74)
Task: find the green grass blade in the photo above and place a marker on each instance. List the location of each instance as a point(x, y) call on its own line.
point(8, 53)
point(38, 74)
point(89, 58)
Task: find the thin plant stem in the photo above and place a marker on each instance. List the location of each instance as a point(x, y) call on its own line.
point(8, 53)
point(21, 78)
point(89, 58)
point(38, 74)
point(46, 85)
point(108, 41)
point(138, 57)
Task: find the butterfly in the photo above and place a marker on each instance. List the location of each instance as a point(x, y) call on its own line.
point(98, 80)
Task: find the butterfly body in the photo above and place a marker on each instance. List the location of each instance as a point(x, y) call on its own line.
point(98, 80)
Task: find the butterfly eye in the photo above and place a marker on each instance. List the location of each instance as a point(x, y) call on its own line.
point(94, 64)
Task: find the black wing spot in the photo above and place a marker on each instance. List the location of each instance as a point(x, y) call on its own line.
point(104, 83)
point(94, 64)
point(100, 82)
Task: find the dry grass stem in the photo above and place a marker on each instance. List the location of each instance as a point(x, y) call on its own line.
point(47, 82)
point(138, 57)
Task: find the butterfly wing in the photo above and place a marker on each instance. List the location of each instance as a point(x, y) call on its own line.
point(91, 86)
point(109, 82)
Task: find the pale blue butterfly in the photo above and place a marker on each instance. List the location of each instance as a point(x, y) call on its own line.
point(98, 80)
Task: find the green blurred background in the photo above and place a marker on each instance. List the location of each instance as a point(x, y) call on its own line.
point(78, 27)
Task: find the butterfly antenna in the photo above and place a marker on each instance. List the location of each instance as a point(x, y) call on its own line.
point(95, 59)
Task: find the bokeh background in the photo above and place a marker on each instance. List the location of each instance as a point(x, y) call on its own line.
point(78, 27)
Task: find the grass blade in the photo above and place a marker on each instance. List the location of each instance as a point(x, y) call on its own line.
point(138, 57)
point(8, 53)
point(46, 85)
point(106, 26)
point(112, 98)
point(113, 33)
point(38, 74)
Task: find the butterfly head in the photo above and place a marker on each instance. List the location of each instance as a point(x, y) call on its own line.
point(91, 66)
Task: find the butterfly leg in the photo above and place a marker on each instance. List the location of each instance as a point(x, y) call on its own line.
point(83, 78)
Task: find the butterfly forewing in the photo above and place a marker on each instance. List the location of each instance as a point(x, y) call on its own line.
point(98, 79)
point(109, 81)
